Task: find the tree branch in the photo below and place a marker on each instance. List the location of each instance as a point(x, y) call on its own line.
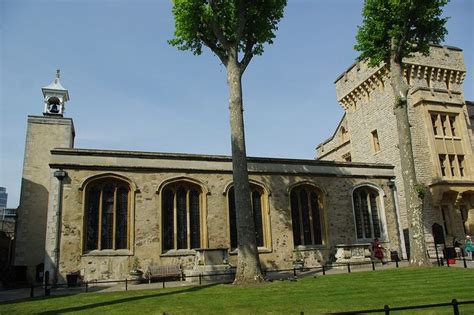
point(248, 54)
point(215, 28)
point(215, 49)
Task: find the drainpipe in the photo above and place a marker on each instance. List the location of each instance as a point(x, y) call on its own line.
point(60, 175)
point(393, 188)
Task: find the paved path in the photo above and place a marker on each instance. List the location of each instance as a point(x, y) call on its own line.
point(18, 294)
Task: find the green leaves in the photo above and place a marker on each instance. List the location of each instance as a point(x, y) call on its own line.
point(227, 27)
point(410, 25)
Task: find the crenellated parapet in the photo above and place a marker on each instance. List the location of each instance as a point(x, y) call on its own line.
point(361, 92)
point(443, 69)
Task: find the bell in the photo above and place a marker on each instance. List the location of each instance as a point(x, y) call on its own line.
point(54, 109)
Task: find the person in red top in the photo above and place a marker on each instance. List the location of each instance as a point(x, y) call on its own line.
point(377, 249)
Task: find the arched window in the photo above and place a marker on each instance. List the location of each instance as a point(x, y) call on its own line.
point(107, 214)
point(367, 213)
point(307, 215)
point(181, 216)
point(258, 199)
point(344, 134)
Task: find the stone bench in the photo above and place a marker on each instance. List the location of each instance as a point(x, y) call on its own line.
point(164, 272)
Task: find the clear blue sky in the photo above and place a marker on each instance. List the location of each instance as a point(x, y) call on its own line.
point(130, 90)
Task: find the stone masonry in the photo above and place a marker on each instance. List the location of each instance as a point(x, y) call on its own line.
point(42, 135)
point(148, 172)
point(435, 83)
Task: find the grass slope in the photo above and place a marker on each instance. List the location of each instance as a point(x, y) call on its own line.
point(343, 292)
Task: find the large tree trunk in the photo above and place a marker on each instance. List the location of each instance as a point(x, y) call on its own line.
point(248, 266)
point(414, 201)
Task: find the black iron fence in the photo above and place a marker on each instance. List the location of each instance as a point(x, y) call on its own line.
point(295, 271)
point(454, 304)
point(227, 276)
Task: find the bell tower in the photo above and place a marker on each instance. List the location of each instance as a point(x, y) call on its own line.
point(38, 186)
point(55, 97)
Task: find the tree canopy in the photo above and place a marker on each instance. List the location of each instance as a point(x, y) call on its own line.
point(226, 26)
point(411, 25)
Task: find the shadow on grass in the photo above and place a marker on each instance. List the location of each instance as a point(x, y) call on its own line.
point(124, 300)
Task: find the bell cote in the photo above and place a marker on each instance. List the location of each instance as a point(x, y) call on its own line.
point(55, 98)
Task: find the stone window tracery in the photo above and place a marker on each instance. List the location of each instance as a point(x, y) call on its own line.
point(259, 202)
point(107, 215)
point(306, 215)
point(181, 216)
point(375, 141)
point(448, 144)
point(367, 213)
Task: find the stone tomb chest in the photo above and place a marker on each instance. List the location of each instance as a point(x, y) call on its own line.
point(353, 253)
point(209, 261)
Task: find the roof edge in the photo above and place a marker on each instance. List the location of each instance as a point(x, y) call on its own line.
point(205, 157)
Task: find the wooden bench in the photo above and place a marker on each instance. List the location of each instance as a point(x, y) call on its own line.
point(164, 272)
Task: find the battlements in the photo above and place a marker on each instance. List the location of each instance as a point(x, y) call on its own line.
point(443, 69)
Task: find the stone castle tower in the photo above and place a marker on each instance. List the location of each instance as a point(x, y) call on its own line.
point(43, 133)
point(440, 127)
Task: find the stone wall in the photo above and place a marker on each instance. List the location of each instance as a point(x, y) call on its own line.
point(277, 176)
point(435, 85)
point(338, 146)
point(42, 135)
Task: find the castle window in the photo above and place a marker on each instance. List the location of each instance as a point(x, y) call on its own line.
point(461, 165)
point(442, 164)
point(443, 125)
point(181, 216)
point(366, 213)
point(344, 135)
point(434, 123)
point(452, 165)
point(448, 145)
point(306, 215)
point(107, 215)
point(258, 199)
point(452, 123)
point(375, 141)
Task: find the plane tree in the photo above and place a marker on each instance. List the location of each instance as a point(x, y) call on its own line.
point(391, 31)
point(235, 31)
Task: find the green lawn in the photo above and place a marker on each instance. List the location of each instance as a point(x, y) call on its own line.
point(330, 293)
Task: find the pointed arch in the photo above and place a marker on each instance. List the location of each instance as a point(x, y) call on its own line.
point(259, 197)
point(183, 213)
point(108, 175)
point(368, 209)
point(308, 183)
point(264, 187)
point(369, 184)
point(308, 214)
point(109, 204)
point(204, 188)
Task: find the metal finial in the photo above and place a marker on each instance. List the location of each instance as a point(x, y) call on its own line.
point(57, 73)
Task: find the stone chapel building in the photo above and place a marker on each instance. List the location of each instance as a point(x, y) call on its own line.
point(94, 211)
point(441, 121)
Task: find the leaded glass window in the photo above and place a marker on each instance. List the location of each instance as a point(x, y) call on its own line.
point(257, 195)
point(181, 216)
point(366, 213)
point(306, 215)
point(107, 215)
